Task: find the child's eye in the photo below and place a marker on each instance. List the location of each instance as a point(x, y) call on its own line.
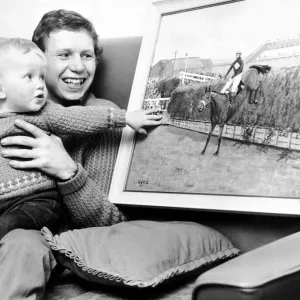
point(29, 76)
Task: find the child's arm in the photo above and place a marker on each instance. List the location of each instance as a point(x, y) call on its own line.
point(82, 120)
point(87, 120)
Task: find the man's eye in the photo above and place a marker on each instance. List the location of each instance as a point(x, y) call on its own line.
point(64, 55)
point(42, 77)
point(29, 76)
point(87, 56)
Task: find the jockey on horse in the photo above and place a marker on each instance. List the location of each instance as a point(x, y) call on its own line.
point(237, 66)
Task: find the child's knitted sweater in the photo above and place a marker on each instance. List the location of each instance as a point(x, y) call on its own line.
point(62, 121)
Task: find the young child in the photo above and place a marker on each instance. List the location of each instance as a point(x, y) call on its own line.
point(29, 199)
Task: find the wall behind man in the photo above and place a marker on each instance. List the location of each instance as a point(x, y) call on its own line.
point(111, 18)
point(115, 72)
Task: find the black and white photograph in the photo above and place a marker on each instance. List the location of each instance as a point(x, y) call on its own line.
point(149, 149)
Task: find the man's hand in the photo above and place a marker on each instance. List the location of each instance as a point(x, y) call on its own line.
point(140, 118)
point(47, 153)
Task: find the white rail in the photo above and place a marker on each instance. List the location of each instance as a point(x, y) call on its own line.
point(195, 77)
point(258, 135)
point(159, 103)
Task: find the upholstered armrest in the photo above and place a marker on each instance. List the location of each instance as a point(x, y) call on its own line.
point(269, 272)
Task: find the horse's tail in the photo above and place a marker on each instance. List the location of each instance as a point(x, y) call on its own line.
point(263, 69)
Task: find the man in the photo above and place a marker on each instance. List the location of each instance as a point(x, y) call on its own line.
point(237, 66)
point(84, 173)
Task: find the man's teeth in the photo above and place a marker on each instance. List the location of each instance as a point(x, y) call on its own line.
point(76, 82)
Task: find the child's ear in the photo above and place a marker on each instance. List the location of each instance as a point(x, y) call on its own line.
point(2, 92)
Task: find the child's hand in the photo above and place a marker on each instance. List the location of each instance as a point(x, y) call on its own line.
point(139, 118)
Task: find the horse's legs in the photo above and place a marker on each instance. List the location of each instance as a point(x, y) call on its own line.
point(208, 138)
point(250, 95)
point(219, 139)
point(254, 98)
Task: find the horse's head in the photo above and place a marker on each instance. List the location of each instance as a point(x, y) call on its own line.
point(206, 99)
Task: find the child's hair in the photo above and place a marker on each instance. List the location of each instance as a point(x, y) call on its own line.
point(22, 45)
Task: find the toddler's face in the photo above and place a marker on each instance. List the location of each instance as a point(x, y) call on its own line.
point(23, 80)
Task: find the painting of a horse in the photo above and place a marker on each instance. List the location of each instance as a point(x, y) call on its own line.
point(222, 110)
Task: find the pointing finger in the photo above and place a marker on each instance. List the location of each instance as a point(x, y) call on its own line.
point(151, 111)
point(154, 117)
point(153, 122)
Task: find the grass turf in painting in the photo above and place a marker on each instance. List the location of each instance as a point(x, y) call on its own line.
point(170, 160)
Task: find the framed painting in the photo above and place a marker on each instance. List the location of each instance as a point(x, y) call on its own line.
point(225, 75)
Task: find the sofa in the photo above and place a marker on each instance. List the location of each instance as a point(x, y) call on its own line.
point(256, 236)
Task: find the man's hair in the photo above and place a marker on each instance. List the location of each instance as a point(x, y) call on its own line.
point(22, 45)
point(61, 19)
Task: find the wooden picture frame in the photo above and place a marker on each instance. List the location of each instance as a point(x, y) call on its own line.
point(215, 189)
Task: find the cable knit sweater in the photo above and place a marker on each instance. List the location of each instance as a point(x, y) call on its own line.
point(75, 121)
point(86, 195)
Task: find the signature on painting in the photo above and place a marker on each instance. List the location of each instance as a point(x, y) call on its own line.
point(140, 182)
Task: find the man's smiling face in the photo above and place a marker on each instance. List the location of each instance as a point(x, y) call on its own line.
point(71, 64)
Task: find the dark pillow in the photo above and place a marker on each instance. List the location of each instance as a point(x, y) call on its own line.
point(139, 253)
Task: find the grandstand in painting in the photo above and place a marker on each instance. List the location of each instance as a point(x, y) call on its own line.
point(173, 67)
point(277, 54)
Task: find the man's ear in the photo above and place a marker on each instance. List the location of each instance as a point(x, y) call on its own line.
point(2, 92)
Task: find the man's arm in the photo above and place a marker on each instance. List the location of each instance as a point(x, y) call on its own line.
point(85, 195)
point(43, 152)
point(88, 204)
point(231, 67)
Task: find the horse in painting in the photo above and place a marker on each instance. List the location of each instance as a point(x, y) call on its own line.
point(222, 110)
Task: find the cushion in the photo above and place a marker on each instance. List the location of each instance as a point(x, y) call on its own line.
point(139, 253)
